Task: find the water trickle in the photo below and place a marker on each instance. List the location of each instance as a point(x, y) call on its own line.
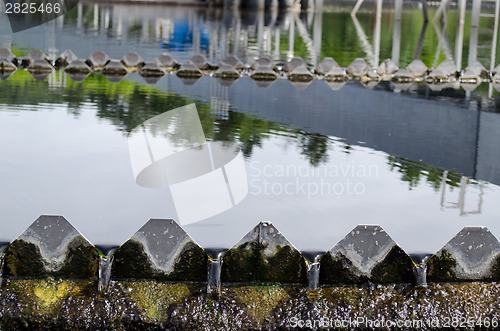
point(420, 268)
point(313, 265)
point(214, 270)
point(105, 263)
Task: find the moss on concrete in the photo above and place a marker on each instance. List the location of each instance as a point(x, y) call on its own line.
point(82, 261)
point(300, 77)
point(495, 275)
point(186, 73)
point(44, 297)
point(264, 76)
point(154, 298)
point(440, 267)
point(24, 260)
point(192, 265)
point(337, 270)
point(397, 267)
point(132, 262)
point(248, 264)
point(259, 300)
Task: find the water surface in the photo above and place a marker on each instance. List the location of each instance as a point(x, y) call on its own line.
point(65, 152)
point(420, 161)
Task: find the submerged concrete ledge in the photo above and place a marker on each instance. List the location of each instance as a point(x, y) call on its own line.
point(69, 305)
point(262, 69)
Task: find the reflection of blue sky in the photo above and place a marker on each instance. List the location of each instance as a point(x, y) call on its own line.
point(182, 36)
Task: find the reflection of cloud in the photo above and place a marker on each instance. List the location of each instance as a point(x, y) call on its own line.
point(205, 178)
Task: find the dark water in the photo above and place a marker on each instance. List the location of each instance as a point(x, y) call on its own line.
point(421, 163)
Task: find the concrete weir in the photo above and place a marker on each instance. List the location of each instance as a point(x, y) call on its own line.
point(262, 69)
point(51, 246)
point(367, 253)
point(473, 254)
point(158, 280)
point(161, 250)
point(264, 255)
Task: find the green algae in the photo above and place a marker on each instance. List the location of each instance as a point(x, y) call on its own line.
point(396, 267)
point(265, 76)
point(294, 77)
point(248, 264)
point(154, 298)
point(44, 297)
point(77, 305)
point(132, 262)
point(437, 303)
point(186, 73)
point(440, 267)
point(259, 300)
point(52, 304)
point(338, 270)
point(17, 254)
point(496, 270)
point(48, 295)
point(24, 260)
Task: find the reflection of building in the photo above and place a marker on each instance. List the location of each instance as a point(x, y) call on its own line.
point(57, 79)
point(373, 51)
point(212, 32)
point(185, 34)
point(464, 187)
point(219, 99)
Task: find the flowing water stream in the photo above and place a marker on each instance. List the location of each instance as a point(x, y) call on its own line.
point(105, 265)
point(214, 271)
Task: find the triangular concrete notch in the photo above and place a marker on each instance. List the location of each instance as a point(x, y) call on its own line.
point(473, 254)
point(367, 253)
point(161, 250)
point(51, 246)
point(264, 255)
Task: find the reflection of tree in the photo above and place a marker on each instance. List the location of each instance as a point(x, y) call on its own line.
point(127, 104)
point(247, 146)
point(22, 89)
point(247, 130)
point(314, 146)
point(413, 171)
point(347, 149)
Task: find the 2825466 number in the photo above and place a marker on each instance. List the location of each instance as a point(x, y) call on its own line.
point(32, 8)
